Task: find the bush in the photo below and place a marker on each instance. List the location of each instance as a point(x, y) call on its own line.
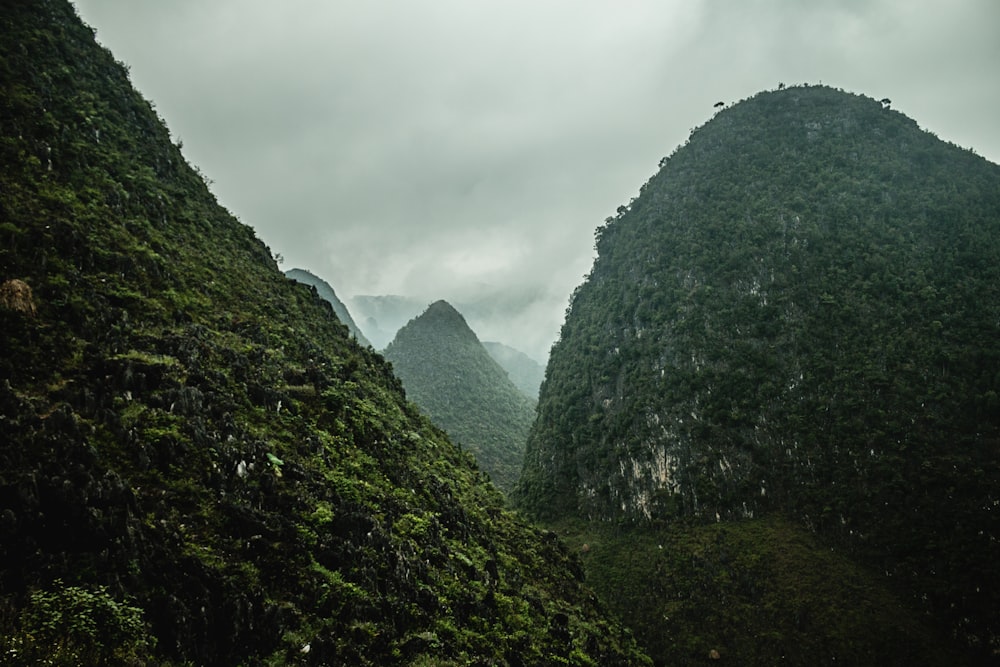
point(76, 626)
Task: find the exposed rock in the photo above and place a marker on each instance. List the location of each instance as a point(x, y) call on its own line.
point(16, 295)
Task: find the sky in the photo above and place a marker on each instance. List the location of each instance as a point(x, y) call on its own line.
point(467, 149)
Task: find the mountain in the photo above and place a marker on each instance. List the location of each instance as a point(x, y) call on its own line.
point(526, 373)
point(383, 315)
point(516, 315)
point(324, 290)
point(450, 375)
point(198, 465)
point(797, 318)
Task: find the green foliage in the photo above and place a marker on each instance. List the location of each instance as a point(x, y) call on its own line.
point(759, 592)
point(450, 375)
point(799, 313)
point(71, 625)
point(183, 426)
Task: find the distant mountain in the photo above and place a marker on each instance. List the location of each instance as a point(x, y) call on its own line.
point(198, 465)
point(526, 373)
point(498, 314)
point(450, 375)
point(324, 290)
point(381, 316)
point(793, 334)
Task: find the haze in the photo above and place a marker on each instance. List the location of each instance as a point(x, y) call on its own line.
point(465, 149)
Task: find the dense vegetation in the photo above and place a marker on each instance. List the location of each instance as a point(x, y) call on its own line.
point(198, 465)
point(756, 592)
point(798, 315)
point(325, 291)
point(526, 373)
point(450, 375)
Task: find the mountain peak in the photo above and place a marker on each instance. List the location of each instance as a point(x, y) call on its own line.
point(783, 322)
point(439, 321)
point(448, 372)
point(442, 311)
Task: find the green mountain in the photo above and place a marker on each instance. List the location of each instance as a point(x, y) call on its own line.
point(198, 465)
point(324, 290)
point(450, 375)
point(797, 318)
point(526, 373)
point(504, 312)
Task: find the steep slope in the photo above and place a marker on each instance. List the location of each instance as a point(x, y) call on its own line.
point(197, 464)
point(324, 290)
point(526, 373)
point(450, 375)
point(800, 313)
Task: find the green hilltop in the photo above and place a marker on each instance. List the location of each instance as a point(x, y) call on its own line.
point(788, 351)
point(448, 372)
point(198, 464)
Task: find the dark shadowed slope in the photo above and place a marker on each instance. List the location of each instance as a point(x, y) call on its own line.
point(798, 315)
point(197, 464)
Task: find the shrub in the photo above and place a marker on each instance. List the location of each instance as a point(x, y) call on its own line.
point(76, 626)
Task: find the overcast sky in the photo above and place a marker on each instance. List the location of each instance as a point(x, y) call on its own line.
point(455, 148)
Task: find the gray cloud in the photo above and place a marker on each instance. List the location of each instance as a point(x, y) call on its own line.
point(449, 149)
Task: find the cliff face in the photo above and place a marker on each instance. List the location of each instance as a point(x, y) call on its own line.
point(197, 463)
point(448, 372)
point(800, 313)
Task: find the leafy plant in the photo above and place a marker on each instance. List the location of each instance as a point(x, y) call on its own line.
point(71, 625)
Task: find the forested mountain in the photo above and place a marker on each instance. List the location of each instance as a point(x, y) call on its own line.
point(526, 373)
point(324, 290)
point(198, 465)
point(798, 318)
point(450, 375)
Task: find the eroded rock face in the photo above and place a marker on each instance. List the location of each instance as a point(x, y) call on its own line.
point(782, 320)
point(16, 295)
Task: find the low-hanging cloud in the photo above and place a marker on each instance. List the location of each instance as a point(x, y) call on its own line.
point(454, 149)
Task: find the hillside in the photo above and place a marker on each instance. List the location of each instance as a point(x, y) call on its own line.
point(198, 465)
point(526, 373)
point(798, 316)
point(450, 375)
point(324, 290)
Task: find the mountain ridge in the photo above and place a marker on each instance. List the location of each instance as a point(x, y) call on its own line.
point(325, 290)
point(796, 316)
point(526, 373)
